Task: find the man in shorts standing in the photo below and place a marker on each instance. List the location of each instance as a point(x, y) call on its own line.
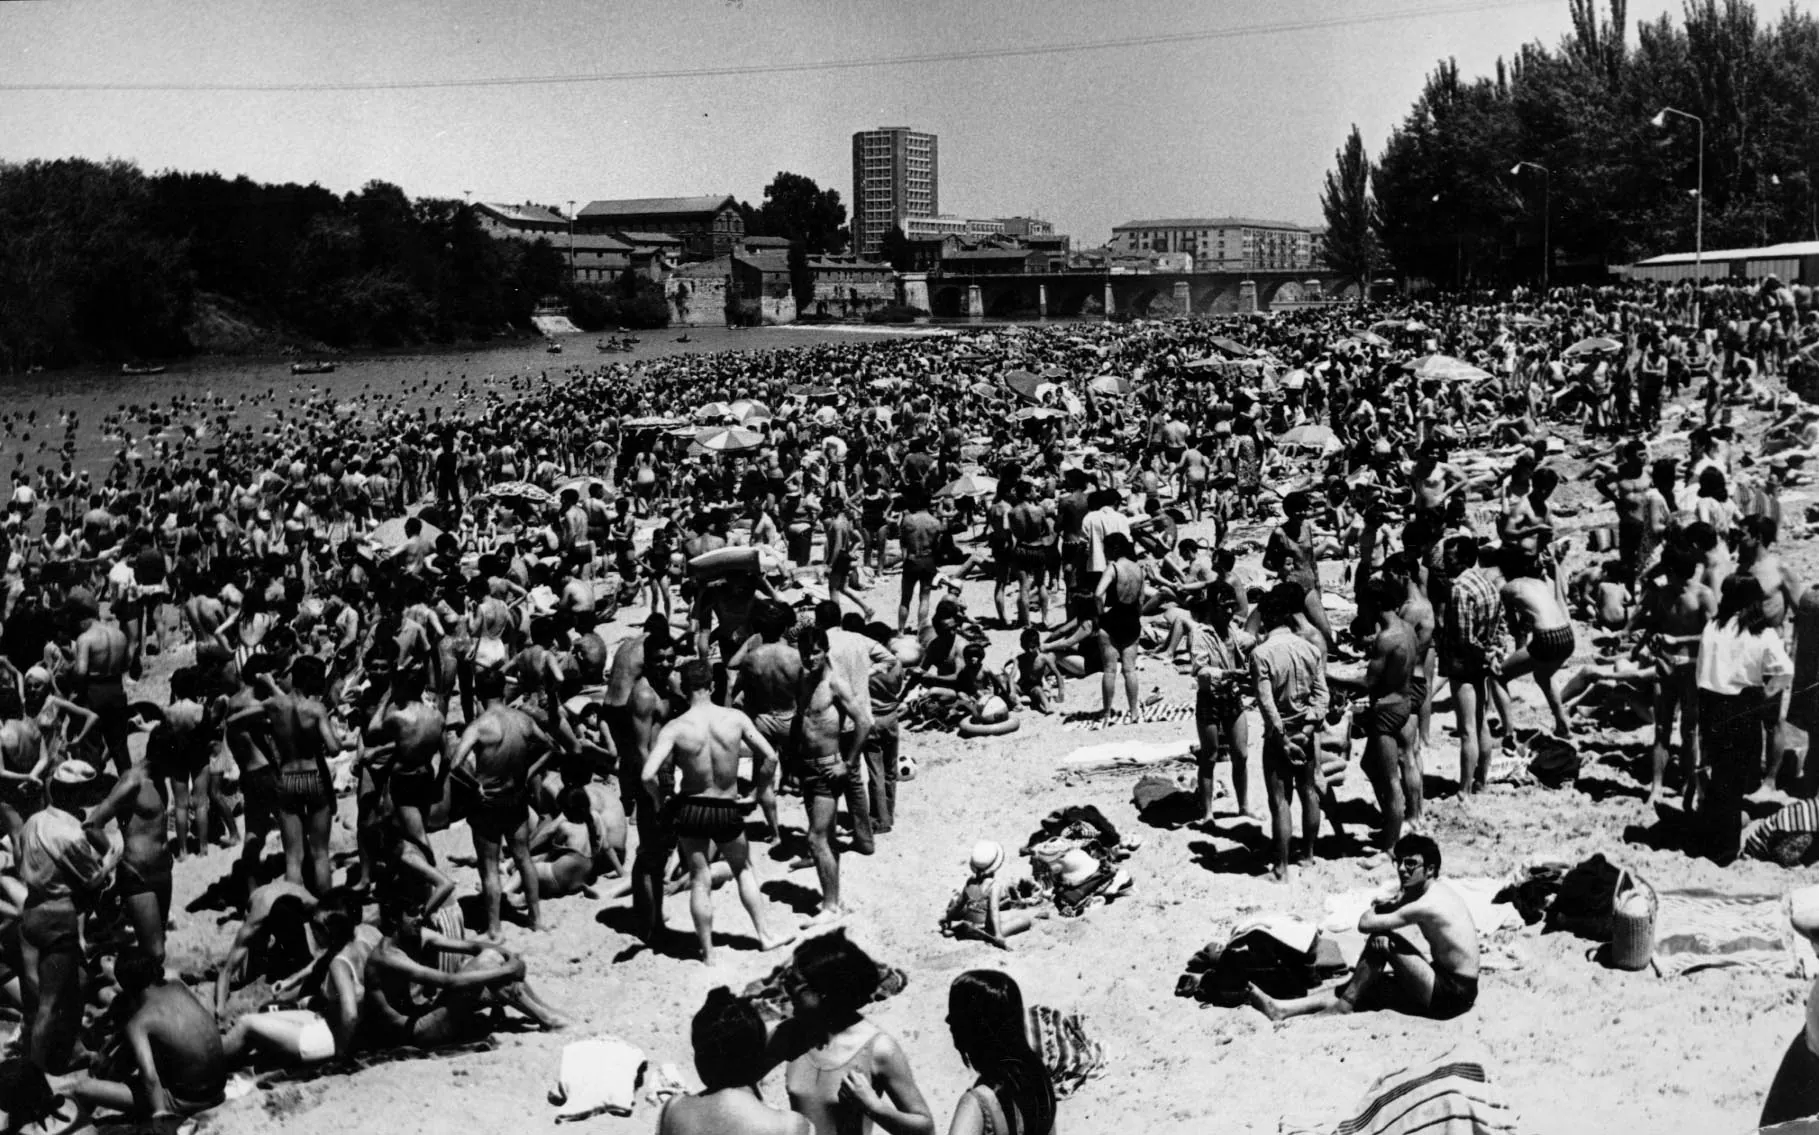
point(823, 701)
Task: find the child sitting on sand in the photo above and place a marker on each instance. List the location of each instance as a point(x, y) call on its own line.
point(974, 910)
point(1030, 675)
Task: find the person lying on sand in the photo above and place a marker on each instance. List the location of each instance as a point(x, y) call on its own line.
point(1392, 973)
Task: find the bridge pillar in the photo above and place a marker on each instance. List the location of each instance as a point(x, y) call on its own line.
point(1184, 297)
point(1109, 306)
point(975, 302)
point(912, 290)
point(1042, 301)
point(1247, 295)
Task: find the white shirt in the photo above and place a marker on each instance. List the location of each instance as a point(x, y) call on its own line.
point(1732, 660)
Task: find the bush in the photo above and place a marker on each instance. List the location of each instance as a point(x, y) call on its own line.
point(634, 301)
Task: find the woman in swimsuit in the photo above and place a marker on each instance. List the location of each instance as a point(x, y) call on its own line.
point(1120, 599)
point(845, 1073)
point(729, 1043)
point(1013, 1095)
point(54, 715)
point(563, 848)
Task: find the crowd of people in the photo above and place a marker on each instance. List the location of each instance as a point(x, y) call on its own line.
point(406, 620)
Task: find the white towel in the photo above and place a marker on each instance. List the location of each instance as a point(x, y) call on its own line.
point(598, 1075)
point(1343, 910)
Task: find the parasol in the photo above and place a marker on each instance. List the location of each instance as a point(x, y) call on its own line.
point(1370, 338)
point(1597, 344)
point(1230, 346)
point(389, 537)
point(1026, 384)
point(521, 490)
point(1110, 384)
point(728, 439)
point(583, 485)
point(805, 390)
point(969, 485)
point(1445, 368)
point(714, 411)
point(1038, 414)
point(747, 410)
point(654, 422)
point(1308, 437)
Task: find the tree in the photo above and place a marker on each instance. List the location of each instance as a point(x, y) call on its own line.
point(896, 249)
point(796, 208)
point(801, 278)
point(1351, 223)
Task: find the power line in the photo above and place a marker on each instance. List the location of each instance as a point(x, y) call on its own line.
point(1172, 38)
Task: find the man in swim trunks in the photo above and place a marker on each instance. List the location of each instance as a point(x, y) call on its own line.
point(1032, 545)
point(100, 669)
point(503, 743)
point(1388, 722)
point(166, 1060)
point(768, 673)
point(823, 702)
point(1392, 973)
point(303, 736)
point(1672, 620)
point(1534, 603)
point(704, 741)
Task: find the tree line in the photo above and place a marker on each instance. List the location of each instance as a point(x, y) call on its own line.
point(1570, 145)
point(100, 261)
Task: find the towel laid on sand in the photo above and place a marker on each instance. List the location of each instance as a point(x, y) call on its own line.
point(598, 1075)
point(1146, 715)
point(1480, 894)
point(1132, 754)
point(1450, 1096)
point(1701, 929)
point(1071, 1057)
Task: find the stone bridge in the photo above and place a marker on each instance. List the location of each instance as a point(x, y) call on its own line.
point(1155, 294)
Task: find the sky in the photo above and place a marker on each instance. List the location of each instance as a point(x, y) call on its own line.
point(1174, 107)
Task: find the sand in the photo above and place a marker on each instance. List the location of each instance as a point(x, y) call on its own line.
point(1576, 1047)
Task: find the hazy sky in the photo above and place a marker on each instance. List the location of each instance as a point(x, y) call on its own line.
point(1204, 118)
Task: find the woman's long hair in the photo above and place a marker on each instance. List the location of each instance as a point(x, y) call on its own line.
point(985, 1012)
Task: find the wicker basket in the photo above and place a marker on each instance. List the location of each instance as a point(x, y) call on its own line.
point(1633, 910)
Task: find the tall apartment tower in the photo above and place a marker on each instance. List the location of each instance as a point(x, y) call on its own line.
point(894, 178)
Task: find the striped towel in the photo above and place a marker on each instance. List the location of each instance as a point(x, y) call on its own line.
point(1800, 816)
point(1071, 1057)
point(1450, 1097)
point(449, 923)
point(1155, 712)
point(1700, 929)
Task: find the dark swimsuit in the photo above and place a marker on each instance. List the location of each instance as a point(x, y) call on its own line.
point(706, 817)
point(1551, 647)
point(301, 790)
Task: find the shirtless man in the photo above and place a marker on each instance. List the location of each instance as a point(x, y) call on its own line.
point(1534, 604)
point(1672, 620)
point(504, 745)
point(704, 742)
point(823, 702)
point(1032, 543)
point(1781, 586)
point(166, 1060)
point(143, 880)
point(1388, 721)
point(249, 744)
point(1290, 554)
point(1626, 486)
point(100, 669)
point(396, 971)
point(648, 709)
point(413, 728)
point(621, 679)
point(1418, 613)
point(1392, 973)
point(277, 927)
point(24, 761)
point(768, 674)
point(303, 736)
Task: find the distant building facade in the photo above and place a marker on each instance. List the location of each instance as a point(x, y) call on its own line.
point(498, 219)
point(1026, 227)
point(896, 178)
point(1233, 244)
point(707, 227)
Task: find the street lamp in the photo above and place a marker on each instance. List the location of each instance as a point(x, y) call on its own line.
point(1547, 193)
point(1660, 119)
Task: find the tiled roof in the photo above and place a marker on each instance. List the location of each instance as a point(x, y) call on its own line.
point(653, 206)
point(648, 238)
point(523, 214)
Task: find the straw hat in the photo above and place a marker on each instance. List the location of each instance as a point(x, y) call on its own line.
point(988, 856)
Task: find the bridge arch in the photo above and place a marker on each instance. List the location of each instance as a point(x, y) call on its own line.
point(947, 301)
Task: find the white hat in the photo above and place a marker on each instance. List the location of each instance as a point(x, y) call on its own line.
point(988, 856)
point(74, 772)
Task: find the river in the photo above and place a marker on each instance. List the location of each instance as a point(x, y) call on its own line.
point(257, 390)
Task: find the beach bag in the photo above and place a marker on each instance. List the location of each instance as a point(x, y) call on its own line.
point(1587, 896)
point(1553, 762)
point(1634, 906)
point(1256, 954)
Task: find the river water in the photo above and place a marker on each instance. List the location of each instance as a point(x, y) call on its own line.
point(256, 391)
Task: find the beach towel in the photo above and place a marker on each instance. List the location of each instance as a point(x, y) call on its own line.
point(1151, 714)
point(1451, 1096)
point(1701, 929)
point(1070, 1055)
point(599, 1075)
point(1480, 894)
point(1128, 754)
point(1800, 817)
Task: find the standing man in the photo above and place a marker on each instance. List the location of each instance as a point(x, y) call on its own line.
point(504, 743)
point(1533, 603)
point(1471, 651)
point(704, 742)
point(302, 738)
point(920, 534)
point(1388, 723)
point(1032, 543)
point(100, 669)
point(648, 709)
point(824, 703)
point(1290, 676)
point(766, 690)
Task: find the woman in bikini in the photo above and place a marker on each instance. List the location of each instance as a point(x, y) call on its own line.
point(1013, 1095)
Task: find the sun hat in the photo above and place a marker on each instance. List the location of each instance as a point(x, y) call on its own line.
point(988, 856)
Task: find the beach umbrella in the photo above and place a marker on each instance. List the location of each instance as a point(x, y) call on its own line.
point(1109, 384)
point(1026, 384)
point(654, 422)
point(714, 411)
point(1230, 346)
point(389, 536)
point(521, 490)
point(969, 485)
point(747, 410)
point(1038, 414)
point(583, 485)
point(728, 439)
point(985, 388)
point(1597, 344)
point(1370, 338)
point(1309, 437)
point(1053, 372)
point(1526, 321)
point(827, 416)
point(1445, 368)
point(806, 390)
